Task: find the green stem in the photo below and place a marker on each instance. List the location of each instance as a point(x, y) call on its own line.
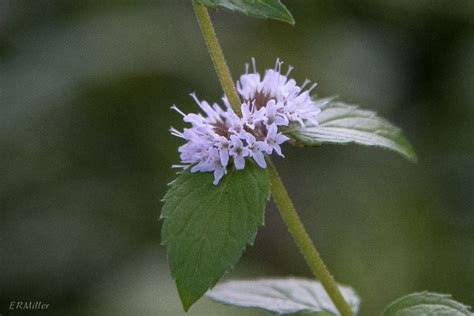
point(279, 194)
point(302, 240)
point(217, 56)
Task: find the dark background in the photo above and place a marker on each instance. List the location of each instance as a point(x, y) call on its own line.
point(85, 152)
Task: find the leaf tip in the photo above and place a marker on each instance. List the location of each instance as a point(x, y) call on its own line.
point(413, 158)
point(291, 20)
point(410, 154)
point(186, 307)
point(186, 300)
point(287, 16)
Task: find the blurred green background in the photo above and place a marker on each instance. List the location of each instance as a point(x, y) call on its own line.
point(85, 151)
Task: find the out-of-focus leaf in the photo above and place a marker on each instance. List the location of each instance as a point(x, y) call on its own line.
point(272, 9)
point(426, 303)
point(340, 123)
point(282, 296)
point(207, 227)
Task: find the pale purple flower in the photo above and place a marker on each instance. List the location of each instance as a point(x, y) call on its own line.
point(275, 114)
point(275, 139)
point(257, 148)
point(238, 151)
point(251, 115)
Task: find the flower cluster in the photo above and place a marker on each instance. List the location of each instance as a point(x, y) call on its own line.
point(221, 137)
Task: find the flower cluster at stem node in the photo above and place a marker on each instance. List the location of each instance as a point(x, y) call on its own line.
point(221, 137)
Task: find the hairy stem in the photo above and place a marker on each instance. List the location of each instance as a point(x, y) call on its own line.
point(217, 56)
point(279, 194)
point(302, 240)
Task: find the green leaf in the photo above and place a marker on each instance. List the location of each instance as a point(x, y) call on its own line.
point(207, 227)
point(428, 304)
point(340, 123)
point(272, 9)
point(282, 296)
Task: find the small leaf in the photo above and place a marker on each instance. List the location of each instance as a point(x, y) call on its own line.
point(207, 227)
point(282, 296)
point(272, 9)
point(340, 123)
point(426, 303)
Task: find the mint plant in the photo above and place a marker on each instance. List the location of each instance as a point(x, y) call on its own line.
point(214, 207)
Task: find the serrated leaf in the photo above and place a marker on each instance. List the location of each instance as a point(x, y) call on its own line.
point(272, 9)
point(427, 304)
point(207, 227)
point(282, 296)
point(340, 123)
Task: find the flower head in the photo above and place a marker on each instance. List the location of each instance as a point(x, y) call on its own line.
point(221, 137)
point(283, 99)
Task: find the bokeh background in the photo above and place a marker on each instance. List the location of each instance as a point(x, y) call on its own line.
point(85, 152)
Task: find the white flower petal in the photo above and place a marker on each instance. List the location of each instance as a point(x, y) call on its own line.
point(239, 162)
